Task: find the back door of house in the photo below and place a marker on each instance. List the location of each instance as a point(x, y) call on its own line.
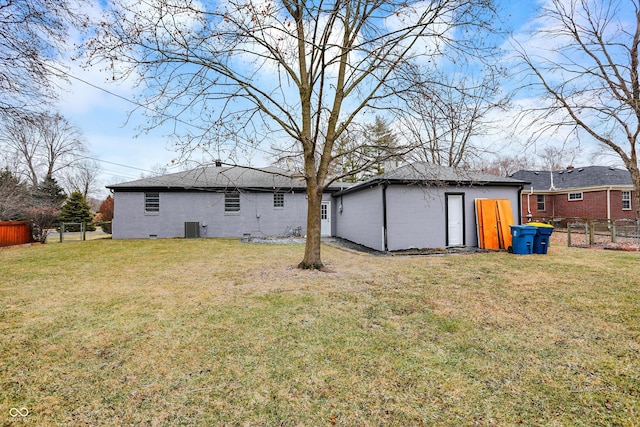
point(325, 218)
point(455, 220)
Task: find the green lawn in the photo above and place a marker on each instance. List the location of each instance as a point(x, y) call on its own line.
point(214, 332)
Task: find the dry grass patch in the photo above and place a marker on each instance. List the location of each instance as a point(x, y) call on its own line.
point(215, 332)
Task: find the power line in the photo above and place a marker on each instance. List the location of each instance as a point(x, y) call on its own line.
point(114, 163)
point(146, 107)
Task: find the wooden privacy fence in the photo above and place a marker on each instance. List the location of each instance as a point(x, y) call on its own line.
point(14, 233)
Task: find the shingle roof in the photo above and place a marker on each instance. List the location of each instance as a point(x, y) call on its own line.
point(429, 173)
point(215, 177)
point(585, 177)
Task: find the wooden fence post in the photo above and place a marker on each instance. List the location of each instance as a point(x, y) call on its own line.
point(613, 231)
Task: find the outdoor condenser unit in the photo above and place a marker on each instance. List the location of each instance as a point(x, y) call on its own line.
point(191, 230)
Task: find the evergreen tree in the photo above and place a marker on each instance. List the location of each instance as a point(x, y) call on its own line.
point(383, 145)
point(49, 193)
point(368, 151)
point(349, 158)
point(76, 209)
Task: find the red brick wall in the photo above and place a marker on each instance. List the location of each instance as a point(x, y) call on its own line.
point(616, 206)
point(533, 206)
point(593, 206)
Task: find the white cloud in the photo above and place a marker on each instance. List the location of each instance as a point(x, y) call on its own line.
point(431, 45)
point(99, 106)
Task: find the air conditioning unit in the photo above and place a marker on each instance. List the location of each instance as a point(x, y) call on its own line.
point(191, 230)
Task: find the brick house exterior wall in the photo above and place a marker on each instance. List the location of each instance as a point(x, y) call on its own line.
point(601, 188)
point(592, 206)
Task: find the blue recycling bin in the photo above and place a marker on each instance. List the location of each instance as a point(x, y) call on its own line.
point(541, 238)
point(522, 239)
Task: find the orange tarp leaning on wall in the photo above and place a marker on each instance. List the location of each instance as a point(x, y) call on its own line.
point(505, 220)
point(494, 216)
point(487, 224)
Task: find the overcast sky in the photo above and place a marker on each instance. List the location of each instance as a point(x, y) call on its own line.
point(110, 123)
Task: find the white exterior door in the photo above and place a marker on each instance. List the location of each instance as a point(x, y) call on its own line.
point(325, 218)
point(455, 220)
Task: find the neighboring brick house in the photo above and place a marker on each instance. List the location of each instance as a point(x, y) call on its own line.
point(591, 192)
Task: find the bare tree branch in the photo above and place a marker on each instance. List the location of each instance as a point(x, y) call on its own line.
point(283, 70)
point(33, 35)
point(43, 144)
point(591, 77)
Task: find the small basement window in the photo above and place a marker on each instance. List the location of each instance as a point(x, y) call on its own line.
point(278, 200)
point(575, 196)
point(626, 200)
point(232, 202)
point(151, 202)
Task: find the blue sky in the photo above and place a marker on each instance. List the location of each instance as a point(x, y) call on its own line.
point(111, 124)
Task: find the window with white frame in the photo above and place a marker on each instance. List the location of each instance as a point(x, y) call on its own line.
point(575, 196)
point(151, 202)
point(626, 200)
point(278, 200)
point(324, 213)
point(232, 202)
point(541, 203)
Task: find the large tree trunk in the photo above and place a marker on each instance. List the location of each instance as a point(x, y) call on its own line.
point(631, 163)
point(635, 177)
point(312, 258)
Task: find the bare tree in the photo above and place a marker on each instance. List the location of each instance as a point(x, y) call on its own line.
point(81, 177)
point(43, 144)
point(555, 158)
point(588, 71)
point(46, 200)
point(447, 115)
point(504, 165)
point(14, 197)
point(289, 70)
point(33, 34)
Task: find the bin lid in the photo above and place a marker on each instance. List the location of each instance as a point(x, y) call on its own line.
point(540, 224)
point(523, 229)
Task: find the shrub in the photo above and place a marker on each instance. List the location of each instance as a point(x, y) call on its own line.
point(106, 214)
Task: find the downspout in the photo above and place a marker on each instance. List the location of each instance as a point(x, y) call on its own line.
point(553, 188)
point(385, 247)
point(520, 204)
point(529, 216)
point(608, 203)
